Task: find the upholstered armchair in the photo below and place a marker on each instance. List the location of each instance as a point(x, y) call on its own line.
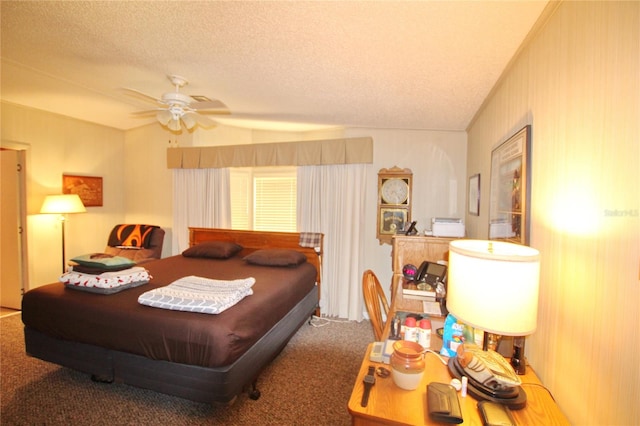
point(140, 243)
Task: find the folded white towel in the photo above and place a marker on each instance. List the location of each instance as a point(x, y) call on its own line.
point(198, 294)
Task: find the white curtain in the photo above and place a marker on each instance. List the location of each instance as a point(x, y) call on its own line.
point(201, 198)
point(331, 200)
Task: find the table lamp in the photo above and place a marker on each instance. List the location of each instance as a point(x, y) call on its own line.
point(62, 204)
point(493, 286)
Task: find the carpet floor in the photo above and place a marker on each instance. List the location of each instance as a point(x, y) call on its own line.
point(309, 383)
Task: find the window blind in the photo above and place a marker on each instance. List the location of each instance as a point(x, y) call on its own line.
point(275, 203)
point(264, 198)
point(241, 199)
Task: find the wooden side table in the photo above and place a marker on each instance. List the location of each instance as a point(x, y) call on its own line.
point(391, 405)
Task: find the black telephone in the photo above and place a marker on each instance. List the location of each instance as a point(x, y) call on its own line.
point(431, 273)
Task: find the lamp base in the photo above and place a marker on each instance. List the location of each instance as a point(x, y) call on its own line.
point(515, 398)
point(518, 362)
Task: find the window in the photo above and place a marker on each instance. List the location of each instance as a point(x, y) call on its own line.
point(263, 198)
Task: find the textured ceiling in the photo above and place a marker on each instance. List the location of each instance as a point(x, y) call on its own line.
point(384, 64)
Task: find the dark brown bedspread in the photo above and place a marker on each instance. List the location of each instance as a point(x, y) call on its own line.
point(119, 322)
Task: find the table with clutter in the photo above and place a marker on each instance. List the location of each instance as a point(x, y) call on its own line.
point(389, 404)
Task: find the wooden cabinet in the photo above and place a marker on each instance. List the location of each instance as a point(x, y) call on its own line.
point(415, 250)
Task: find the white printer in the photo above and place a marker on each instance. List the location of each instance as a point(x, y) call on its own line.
point(447, 227)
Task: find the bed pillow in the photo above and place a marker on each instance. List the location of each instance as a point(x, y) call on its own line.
point(276, 257)
point(104, 261)
point(213, 250)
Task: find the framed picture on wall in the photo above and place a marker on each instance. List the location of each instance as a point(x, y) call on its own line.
point(88, 188)
point(509, 203)
point(474, 195)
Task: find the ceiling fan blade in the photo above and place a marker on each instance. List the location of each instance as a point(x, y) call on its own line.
point(200, 119)
point(138, 94)
point(217, 112)
point(214, 104)
point(147, 112)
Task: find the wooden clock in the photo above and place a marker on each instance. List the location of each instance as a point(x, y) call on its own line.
point(394, 202)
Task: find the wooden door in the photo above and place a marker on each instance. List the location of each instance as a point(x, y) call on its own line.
point(13, 220)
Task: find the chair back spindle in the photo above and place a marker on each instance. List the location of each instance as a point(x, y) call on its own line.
point(376, 302)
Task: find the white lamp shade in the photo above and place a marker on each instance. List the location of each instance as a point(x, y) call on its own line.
point(62, 204)
point(493, 286)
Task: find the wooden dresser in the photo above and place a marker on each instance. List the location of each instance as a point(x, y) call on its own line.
point(415, 250)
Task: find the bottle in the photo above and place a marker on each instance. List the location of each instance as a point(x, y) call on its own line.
point(424, 333)
point(410, 330)
point(465, 384)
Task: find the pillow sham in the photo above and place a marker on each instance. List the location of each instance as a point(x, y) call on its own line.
point(276, 257)
point(213, 250)
point(104, 261)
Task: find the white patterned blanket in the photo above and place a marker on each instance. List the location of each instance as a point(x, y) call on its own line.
point(198, 294)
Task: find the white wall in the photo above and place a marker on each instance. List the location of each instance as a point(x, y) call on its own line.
point(577, 84)
point(56, 145)
point(438, 162)
point(148, 182)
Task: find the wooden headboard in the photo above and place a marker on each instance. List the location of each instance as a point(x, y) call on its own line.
point(256, 240)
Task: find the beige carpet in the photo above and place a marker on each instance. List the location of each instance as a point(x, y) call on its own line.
point(308, 384)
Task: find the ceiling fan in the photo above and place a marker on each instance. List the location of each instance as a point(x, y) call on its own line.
point(176, 107)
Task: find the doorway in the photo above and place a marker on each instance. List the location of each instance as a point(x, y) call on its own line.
point(13, 249)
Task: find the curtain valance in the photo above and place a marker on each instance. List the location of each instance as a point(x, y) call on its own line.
point(305, 153)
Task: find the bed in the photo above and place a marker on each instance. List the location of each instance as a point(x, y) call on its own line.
point(197, 356)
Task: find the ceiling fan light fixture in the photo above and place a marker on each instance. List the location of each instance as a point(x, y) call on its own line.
point(177, 109)
point(189, 121)
point(174, 125)
point(164, 117)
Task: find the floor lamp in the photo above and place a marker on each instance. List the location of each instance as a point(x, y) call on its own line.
point(62, 205)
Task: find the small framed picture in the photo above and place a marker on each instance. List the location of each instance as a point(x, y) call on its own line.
point(474, 195)
point(88, 188)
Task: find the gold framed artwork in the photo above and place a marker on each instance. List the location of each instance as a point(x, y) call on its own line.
point(88, 188)
point(509, 204)
point(392, 220)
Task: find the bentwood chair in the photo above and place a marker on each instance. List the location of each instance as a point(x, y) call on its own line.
point(376, 302)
